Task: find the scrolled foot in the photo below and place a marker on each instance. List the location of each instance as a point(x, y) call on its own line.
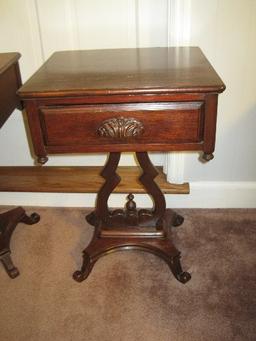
point(13, 273)
point(79, 276)
point(184, 277)
point(11, 270)
point(177, 271)
point(87, 266)
point(30, 220)
point(178, 220)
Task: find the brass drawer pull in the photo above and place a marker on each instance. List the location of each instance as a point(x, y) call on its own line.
point(121, 127)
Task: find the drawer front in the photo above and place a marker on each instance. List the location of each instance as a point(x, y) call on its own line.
point(123, 124)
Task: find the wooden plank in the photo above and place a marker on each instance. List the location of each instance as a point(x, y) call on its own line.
point(77, 180)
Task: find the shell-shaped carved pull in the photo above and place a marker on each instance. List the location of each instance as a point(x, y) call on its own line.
point(121, 127)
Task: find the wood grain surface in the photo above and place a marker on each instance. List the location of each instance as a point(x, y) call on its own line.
point(121, 71)
point(77, 180)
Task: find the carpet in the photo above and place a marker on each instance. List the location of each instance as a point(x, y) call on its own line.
point(132, 295)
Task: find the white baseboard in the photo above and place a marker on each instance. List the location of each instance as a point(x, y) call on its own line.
point(216, 195)
point(203, 195)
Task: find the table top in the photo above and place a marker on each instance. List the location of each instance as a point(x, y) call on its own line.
point(7, 59)
point(123, 71)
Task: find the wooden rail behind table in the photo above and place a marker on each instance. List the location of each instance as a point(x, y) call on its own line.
point(78, 179)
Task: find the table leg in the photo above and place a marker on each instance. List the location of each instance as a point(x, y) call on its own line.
point(8, 223)
point(131, 228)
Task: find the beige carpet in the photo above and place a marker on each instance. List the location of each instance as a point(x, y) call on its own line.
point(132, 295)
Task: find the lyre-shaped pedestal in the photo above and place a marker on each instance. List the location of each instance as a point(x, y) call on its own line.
point(132, 228)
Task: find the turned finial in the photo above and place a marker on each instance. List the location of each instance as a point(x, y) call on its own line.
point(131, 204)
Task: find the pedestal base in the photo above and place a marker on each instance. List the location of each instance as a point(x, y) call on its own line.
point(131, 228)
point(161, 246)
point(8, 223)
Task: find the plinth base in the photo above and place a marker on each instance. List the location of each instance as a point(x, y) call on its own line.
point(161, 246)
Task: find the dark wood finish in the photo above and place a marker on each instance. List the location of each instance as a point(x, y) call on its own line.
point(36, 132)
point(130, 216)
point(10, 81)
point(160, 245)
point(8, 223)
point(140, 100)
point(161, 125)
point(112, 179)
point(78, 180)
point(124, 71)
point(154, 216)
point(170, 87)
point(120, 128)
point(132, 228)
point(7, 60)
point(210, 126)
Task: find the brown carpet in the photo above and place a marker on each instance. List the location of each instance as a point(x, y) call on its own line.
point(132, 295)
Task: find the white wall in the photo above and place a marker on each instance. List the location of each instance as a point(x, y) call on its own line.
point(226, 32)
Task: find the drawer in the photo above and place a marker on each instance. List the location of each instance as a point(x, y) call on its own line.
point(122, 124)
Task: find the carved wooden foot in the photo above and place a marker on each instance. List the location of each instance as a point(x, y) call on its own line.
point(8, 265)
point(177, 271)
point(177, 220)
point(8, 223)
point(88, 263)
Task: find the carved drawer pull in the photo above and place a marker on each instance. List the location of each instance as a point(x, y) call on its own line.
point(121, 127)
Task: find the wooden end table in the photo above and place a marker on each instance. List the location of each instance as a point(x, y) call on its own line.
point(125, 100)
point(10, 81)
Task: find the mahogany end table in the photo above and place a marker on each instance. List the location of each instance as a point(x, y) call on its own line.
point(125, 100)
point(10, 81)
